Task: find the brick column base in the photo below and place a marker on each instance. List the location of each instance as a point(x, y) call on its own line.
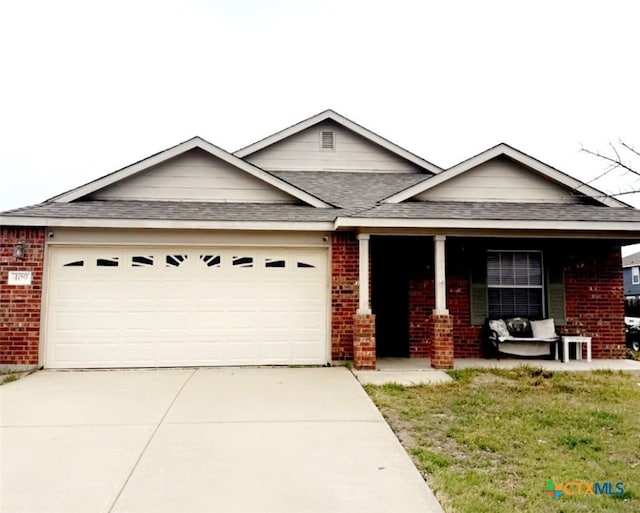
point(364, 341)
point(442, 342)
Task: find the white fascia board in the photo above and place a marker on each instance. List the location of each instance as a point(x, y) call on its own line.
point(196, 142)
point(489, 224)
point(516, 155)
point(169, 224)
point(347, 123)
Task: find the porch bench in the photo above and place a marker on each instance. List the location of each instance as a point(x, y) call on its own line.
point(520, 336)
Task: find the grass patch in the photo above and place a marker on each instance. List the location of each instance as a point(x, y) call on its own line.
point(10, 377)
point(490, 440)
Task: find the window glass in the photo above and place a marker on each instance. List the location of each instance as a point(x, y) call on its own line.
point(75, 263)
point(242, 261)
point(108, 262)
point(211, 260)
point(142, 261)
point(274, 262)
point(515, 284)
point(175, 260)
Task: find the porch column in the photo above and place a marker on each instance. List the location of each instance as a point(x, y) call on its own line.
point(440, 275)
point(364, 325)
point(442, 325)
point(364, 305)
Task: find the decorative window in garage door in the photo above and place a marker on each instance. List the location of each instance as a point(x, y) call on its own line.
point(275, 262)
point(211, 260)
point(175, 260)
point(74, 263)
point(242, 261)
point(305, 265)
point(142, 261)
point(108, 262)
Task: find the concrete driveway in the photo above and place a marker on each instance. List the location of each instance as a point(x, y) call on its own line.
point(201, 440)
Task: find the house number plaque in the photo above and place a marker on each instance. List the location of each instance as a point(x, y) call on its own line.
point(19, 278)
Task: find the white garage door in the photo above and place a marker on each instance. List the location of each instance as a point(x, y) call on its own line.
point(150, 306)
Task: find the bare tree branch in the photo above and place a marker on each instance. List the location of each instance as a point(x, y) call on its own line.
point(618, 159)
point(622, 157)
point(630, 148)
point(615, 162)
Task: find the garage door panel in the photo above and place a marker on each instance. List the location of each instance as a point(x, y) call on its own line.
point(307, 320)
point(241, 351)
point(153, 306)
point(276, 319)
point(71, 322)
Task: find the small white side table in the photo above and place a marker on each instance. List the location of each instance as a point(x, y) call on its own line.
point(578, 341)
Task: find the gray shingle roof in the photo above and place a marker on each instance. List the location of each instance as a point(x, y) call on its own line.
point(499, 211)
point(631, 260)
point(356, 195)
point(178, 211)
point(347, 190)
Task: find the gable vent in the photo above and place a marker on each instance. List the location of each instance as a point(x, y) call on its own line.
point(327, 140)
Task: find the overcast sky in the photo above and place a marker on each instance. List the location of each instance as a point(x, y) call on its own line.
point(89, 87)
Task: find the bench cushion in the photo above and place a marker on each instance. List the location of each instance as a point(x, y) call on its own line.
point(500, 327)
point(543, 329)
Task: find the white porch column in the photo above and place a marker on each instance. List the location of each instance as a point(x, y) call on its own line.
point(364, 306)
point(440, 275)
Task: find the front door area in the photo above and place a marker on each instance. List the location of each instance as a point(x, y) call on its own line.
point(390, 295)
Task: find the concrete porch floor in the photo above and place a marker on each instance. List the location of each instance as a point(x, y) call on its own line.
point(418, 371)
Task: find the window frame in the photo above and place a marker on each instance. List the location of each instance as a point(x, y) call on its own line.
point(635, 275)
point(542, 287)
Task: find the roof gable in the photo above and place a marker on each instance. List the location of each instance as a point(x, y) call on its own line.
point(631, 260)
point(137, 180)
point(503, 173)
point(356, 148)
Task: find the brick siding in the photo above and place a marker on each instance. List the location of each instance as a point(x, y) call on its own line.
point(595, 300)
point(593, 294)
point(344, 293)
point(364, 341)
point(442, 347)
point(20, 304)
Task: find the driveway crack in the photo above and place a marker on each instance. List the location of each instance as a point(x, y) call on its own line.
point(153, 434)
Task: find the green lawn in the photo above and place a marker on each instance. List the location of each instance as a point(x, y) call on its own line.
point(490, 441)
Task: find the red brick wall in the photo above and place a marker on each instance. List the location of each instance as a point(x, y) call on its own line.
point(594, 298)
point(593, 294)
point(344, 293)
point(468, 338)
point(364, 341)
point(20, 305)
point(443, 342)
point(421, 305)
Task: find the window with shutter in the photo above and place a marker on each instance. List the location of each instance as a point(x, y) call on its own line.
point(515, 285)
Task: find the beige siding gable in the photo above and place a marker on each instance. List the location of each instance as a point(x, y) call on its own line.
point(502, 180)
point(303, 151)
point(194, 176)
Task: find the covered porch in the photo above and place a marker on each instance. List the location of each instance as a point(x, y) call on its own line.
point(425, 298)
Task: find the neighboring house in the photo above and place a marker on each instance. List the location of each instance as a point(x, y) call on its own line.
point(631, 280)
point(321, 242)
point(631, 274)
